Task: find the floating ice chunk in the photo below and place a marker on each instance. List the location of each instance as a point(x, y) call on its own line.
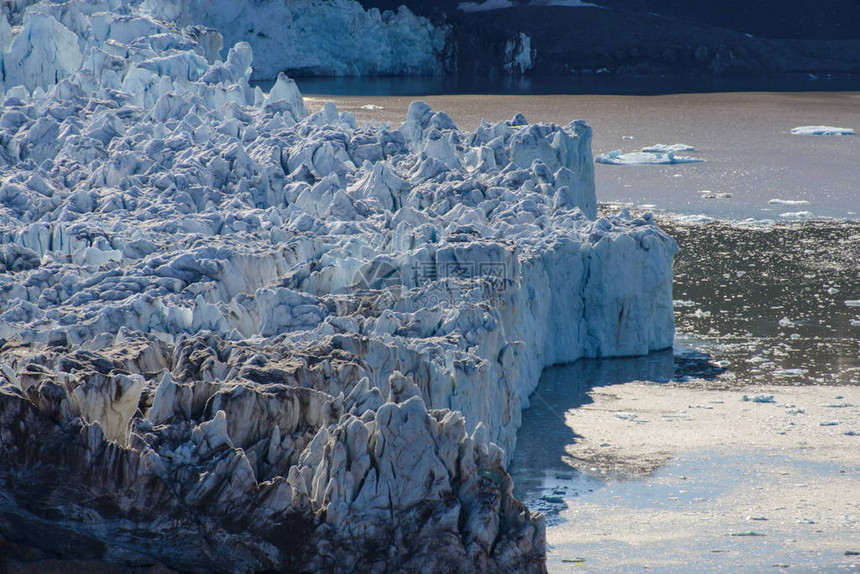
point(788, 202)
point(789, 372)
point(822, 131)
point(625, 416)
point(616, 157)
point(853, 302)
point(707, 194)
point(694, 219)
point(664, 148)
point(797, 215)
point(758, 398)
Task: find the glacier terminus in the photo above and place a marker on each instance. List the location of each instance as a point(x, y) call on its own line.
point(238, 336)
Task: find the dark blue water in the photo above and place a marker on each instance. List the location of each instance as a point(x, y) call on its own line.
point(595, 84)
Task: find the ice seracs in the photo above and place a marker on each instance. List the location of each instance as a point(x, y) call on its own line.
point(280, 337)
point(317, 37)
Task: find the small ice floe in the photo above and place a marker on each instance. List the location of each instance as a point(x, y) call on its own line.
point(789, 372)
point(822, 131)
point(616, 157)
point(625, 416)
point(708, 194)
point(681, 303)
point(796, 215)
point(371, 107)
point(855, 322)
point(663, 148)
point(853, 302)
point(752, 222)
point(694, 219)
point(786, 322)
point(777, 201)
point(832, 291)
point(828, 423)
point(758, 399)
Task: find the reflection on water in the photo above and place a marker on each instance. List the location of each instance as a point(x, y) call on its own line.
point(543, 480)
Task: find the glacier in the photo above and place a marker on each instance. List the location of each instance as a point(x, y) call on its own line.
point(317, 37)
point(239, 336)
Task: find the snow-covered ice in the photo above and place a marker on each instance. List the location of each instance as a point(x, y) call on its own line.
point(220, 308)
point(822, 131)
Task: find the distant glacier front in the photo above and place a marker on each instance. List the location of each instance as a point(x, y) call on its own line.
point(237, 336)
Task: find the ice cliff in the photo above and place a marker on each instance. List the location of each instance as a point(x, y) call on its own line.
point(240, 337)
point(318, 37)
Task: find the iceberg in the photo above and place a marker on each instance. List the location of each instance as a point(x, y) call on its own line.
point(239, 336)
point(822, 131)
point(616, 157)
